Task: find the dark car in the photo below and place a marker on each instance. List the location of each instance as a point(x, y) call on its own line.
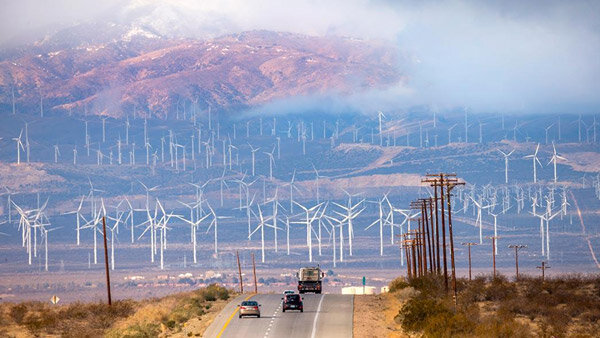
point(292, 302)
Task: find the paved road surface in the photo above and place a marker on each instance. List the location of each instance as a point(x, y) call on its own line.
point(323, 316)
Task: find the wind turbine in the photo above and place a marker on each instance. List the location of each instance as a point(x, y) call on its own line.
point(261, 227)
point(379, 221)
point(479, 220)
point(347, 217)
point(79, 217)
point(506, 163)
point(317, 181)
point(271, 162)
point(19, 146)
point(253, 151)
point(308, 222)
point(555, 157)
point(380, 115)
point(275, 210)
point(215, 225)
point(535, 159)
point(193, 228)
point(292, 187)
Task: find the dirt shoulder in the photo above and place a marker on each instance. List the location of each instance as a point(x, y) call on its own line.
point(374, 316)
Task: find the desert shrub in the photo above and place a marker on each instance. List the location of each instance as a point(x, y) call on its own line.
point(431, 285)
point(398, 284)
point(500, 289)
point(214, 292)
point(471, 291)
point(448, 324)
point(139, 330)
point(406, 293)
point(492, 326)
point(414, 314)
point(18, 312)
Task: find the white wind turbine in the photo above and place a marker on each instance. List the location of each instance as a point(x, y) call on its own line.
point(319, 218)
point(293, 187)
point(350, 214)
point(380, 115)
point(56, 153)
point(79, 217)
point(535, 159)
point(479, 220)
point(271, 162)
point(148, 193)
point(45, 232)
point(506, 163)
point(275, 216)
point(194, 228)
point(261, 226)
point(555, 157)
point(379, 221)
point(317, 176)
point(215, 225)
point(495, 230)
point(113, 229)
point(308, 223)
point(19, 146)
point(253, 151)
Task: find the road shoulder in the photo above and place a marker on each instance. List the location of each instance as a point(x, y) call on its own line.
point(222, 317)
point(374, 316)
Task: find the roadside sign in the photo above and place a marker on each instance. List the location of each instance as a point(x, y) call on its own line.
point(364, 280)
point(54, 299)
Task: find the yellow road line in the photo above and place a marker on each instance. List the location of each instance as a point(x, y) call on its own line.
point(237, 308)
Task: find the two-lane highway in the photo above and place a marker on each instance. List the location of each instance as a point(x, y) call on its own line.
point(323, 316)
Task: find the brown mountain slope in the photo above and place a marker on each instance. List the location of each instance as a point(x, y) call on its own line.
point(228, 73)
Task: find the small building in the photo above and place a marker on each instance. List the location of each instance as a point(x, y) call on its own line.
point(358, 290)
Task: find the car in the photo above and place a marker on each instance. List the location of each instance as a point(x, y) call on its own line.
point(288, 292)
point(292, 302)
point(249, 308)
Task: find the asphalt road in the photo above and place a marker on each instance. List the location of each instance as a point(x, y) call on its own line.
point(324, 316)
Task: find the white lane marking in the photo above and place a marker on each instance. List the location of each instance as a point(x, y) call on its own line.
point(314, 327)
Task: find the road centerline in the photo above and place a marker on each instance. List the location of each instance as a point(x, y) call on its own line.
point(314, 327)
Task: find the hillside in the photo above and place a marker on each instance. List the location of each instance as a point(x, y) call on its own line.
point(187, 313)
point(162, 76)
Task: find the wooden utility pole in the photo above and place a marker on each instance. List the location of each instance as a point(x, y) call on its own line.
point(543, 267)
point(493, 238)
point(106, 260)
point(433, 231)
point(450, 184)
point(517, 247)
point(469, 244)
point(254, 272)
point(449, 181)
point(444, 234)
point(237, 254)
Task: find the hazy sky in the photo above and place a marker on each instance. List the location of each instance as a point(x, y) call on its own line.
point(516, 55)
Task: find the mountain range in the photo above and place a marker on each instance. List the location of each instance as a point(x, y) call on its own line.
point(114, 69)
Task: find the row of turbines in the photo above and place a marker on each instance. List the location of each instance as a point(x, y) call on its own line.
point(213, 140)
point(331, 224)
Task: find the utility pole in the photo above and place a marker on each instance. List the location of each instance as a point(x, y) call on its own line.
point(106, 260)
point(543, 267)
point(469, 244)
point(254, 272)
point(450, 184)
point(237, 255)
point(517, 247)
point(493, 238)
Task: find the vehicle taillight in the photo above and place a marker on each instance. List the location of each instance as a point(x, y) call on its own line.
point(255, 307)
